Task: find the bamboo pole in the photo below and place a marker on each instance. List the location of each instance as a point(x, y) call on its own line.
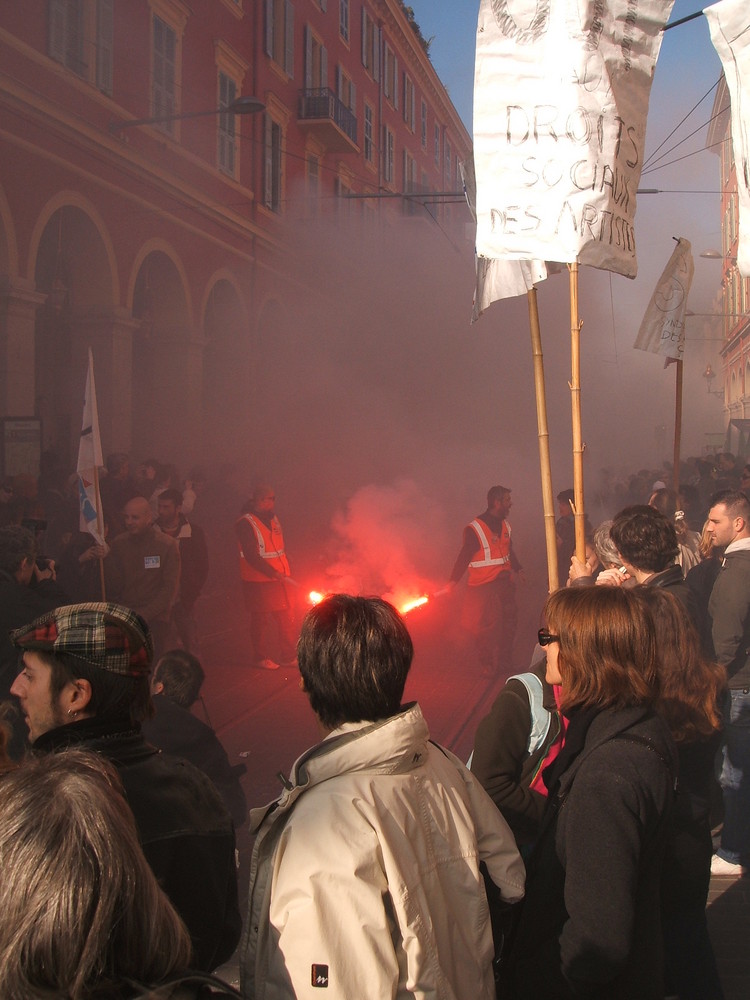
point(543, 434)
point(677, 428)
point(575, 399)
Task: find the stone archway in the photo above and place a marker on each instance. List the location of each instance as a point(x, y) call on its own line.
point(166, 392)
point(227, 388)
point(72, 271)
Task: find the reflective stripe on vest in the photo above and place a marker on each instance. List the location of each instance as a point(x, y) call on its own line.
point(270, 547)
point(495, 554)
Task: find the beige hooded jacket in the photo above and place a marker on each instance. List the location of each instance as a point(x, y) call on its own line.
point(365, 877)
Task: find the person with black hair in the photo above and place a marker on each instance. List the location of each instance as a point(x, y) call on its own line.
point(647, 543)
point(366, 872)
point(176, 685)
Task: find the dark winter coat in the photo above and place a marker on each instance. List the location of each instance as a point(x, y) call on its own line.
point(177, 731)
point(184, 829)
point(729, 609)
point(590, 925)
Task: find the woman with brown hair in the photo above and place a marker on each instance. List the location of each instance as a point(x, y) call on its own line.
point(690, 694)
point(81, 913)
point(590, 923)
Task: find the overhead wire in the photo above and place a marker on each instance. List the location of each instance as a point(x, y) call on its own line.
point(650, 157)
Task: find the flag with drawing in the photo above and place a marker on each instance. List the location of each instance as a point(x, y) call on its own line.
point(561, 97)
point(663, 326)
point(89, 462)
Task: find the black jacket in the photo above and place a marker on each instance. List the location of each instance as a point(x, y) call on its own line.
point(184, 829)
point(590, 925)
point(672, 580)
point(176, 731)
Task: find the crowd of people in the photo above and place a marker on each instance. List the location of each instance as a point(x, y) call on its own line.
point(571, 858)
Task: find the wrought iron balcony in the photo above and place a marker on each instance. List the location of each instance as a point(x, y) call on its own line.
point(336, 124)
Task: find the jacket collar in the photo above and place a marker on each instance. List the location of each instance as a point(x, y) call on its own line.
point(117, 740)
point(672, 574)
point(391, 746)
point(608, 724)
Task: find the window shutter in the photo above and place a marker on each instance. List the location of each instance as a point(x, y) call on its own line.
point(364, 37)
point(57, 31)
point(289, 40)
point(353, 98)
point(323, 66)
point(395, 82)
point(269, 27)
point(377, 46)
point(268, 185)
point(308, 58)
point(104, 44)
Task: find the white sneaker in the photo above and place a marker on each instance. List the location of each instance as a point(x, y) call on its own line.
point(267, 665)
point(721, 867)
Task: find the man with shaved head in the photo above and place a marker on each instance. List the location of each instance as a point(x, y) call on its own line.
point(143, 570)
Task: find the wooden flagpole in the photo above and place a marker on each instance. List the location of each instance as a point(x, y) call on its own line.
point(575, 398)
point(543, 433)
point(677, 428)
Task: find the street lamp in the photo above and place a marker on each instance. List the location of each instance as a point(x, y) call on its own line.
point(709, 375)
point(239, 106)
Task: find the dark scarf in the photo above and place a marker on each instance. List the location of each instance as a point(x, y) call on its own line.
point(579, 720)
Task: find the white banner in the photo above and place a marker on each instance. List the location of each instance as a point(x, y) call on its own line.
point(496, 279)
point(560, 103)
point(663, 327)
point(729, 24)
point(89, 458)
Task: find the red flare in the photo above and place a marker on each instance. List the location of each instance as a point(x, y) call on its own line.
point(416, 603)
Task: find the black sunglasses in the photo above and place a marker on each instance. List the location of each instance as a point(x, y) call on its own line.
point(545, 637)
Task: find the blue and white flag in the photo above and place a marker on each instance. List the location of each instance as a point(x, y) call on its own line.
point(89, 461)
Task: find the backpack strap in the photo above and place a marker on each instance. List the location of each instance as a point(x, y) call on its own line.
point(541, 717)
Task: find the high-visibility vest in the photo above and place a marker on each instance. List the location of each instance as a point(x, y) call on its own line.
point(270, 547)
point(493, 555)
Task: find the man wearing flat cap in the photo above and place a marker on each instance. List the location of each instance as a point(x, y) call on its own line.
point(84, 683)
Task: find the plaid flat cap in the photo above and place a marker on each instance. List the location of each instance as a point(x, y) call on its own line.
point(108, 636)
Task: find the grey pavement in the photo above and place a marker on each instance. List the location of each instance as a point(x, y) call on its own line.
point(264, 721)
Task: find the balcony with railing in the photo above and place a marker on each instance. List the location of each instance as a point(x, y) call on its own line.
point(334, 124)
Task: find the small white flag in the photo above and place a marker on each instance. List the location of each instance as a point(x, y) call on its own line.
point(663, 326)
point(89, 459)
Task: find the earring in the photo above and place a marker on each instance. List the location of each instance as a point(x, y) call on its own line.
point(72, 713)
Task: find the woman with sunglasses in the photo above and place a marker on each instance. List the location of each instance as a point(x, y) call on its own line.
point(590, 922)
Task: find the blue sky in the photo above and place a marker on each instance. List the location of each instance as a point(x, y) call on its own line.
point(687, 60)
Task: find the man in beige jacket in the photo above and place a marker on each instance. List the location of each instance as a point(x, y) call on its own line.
point(365, 878)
